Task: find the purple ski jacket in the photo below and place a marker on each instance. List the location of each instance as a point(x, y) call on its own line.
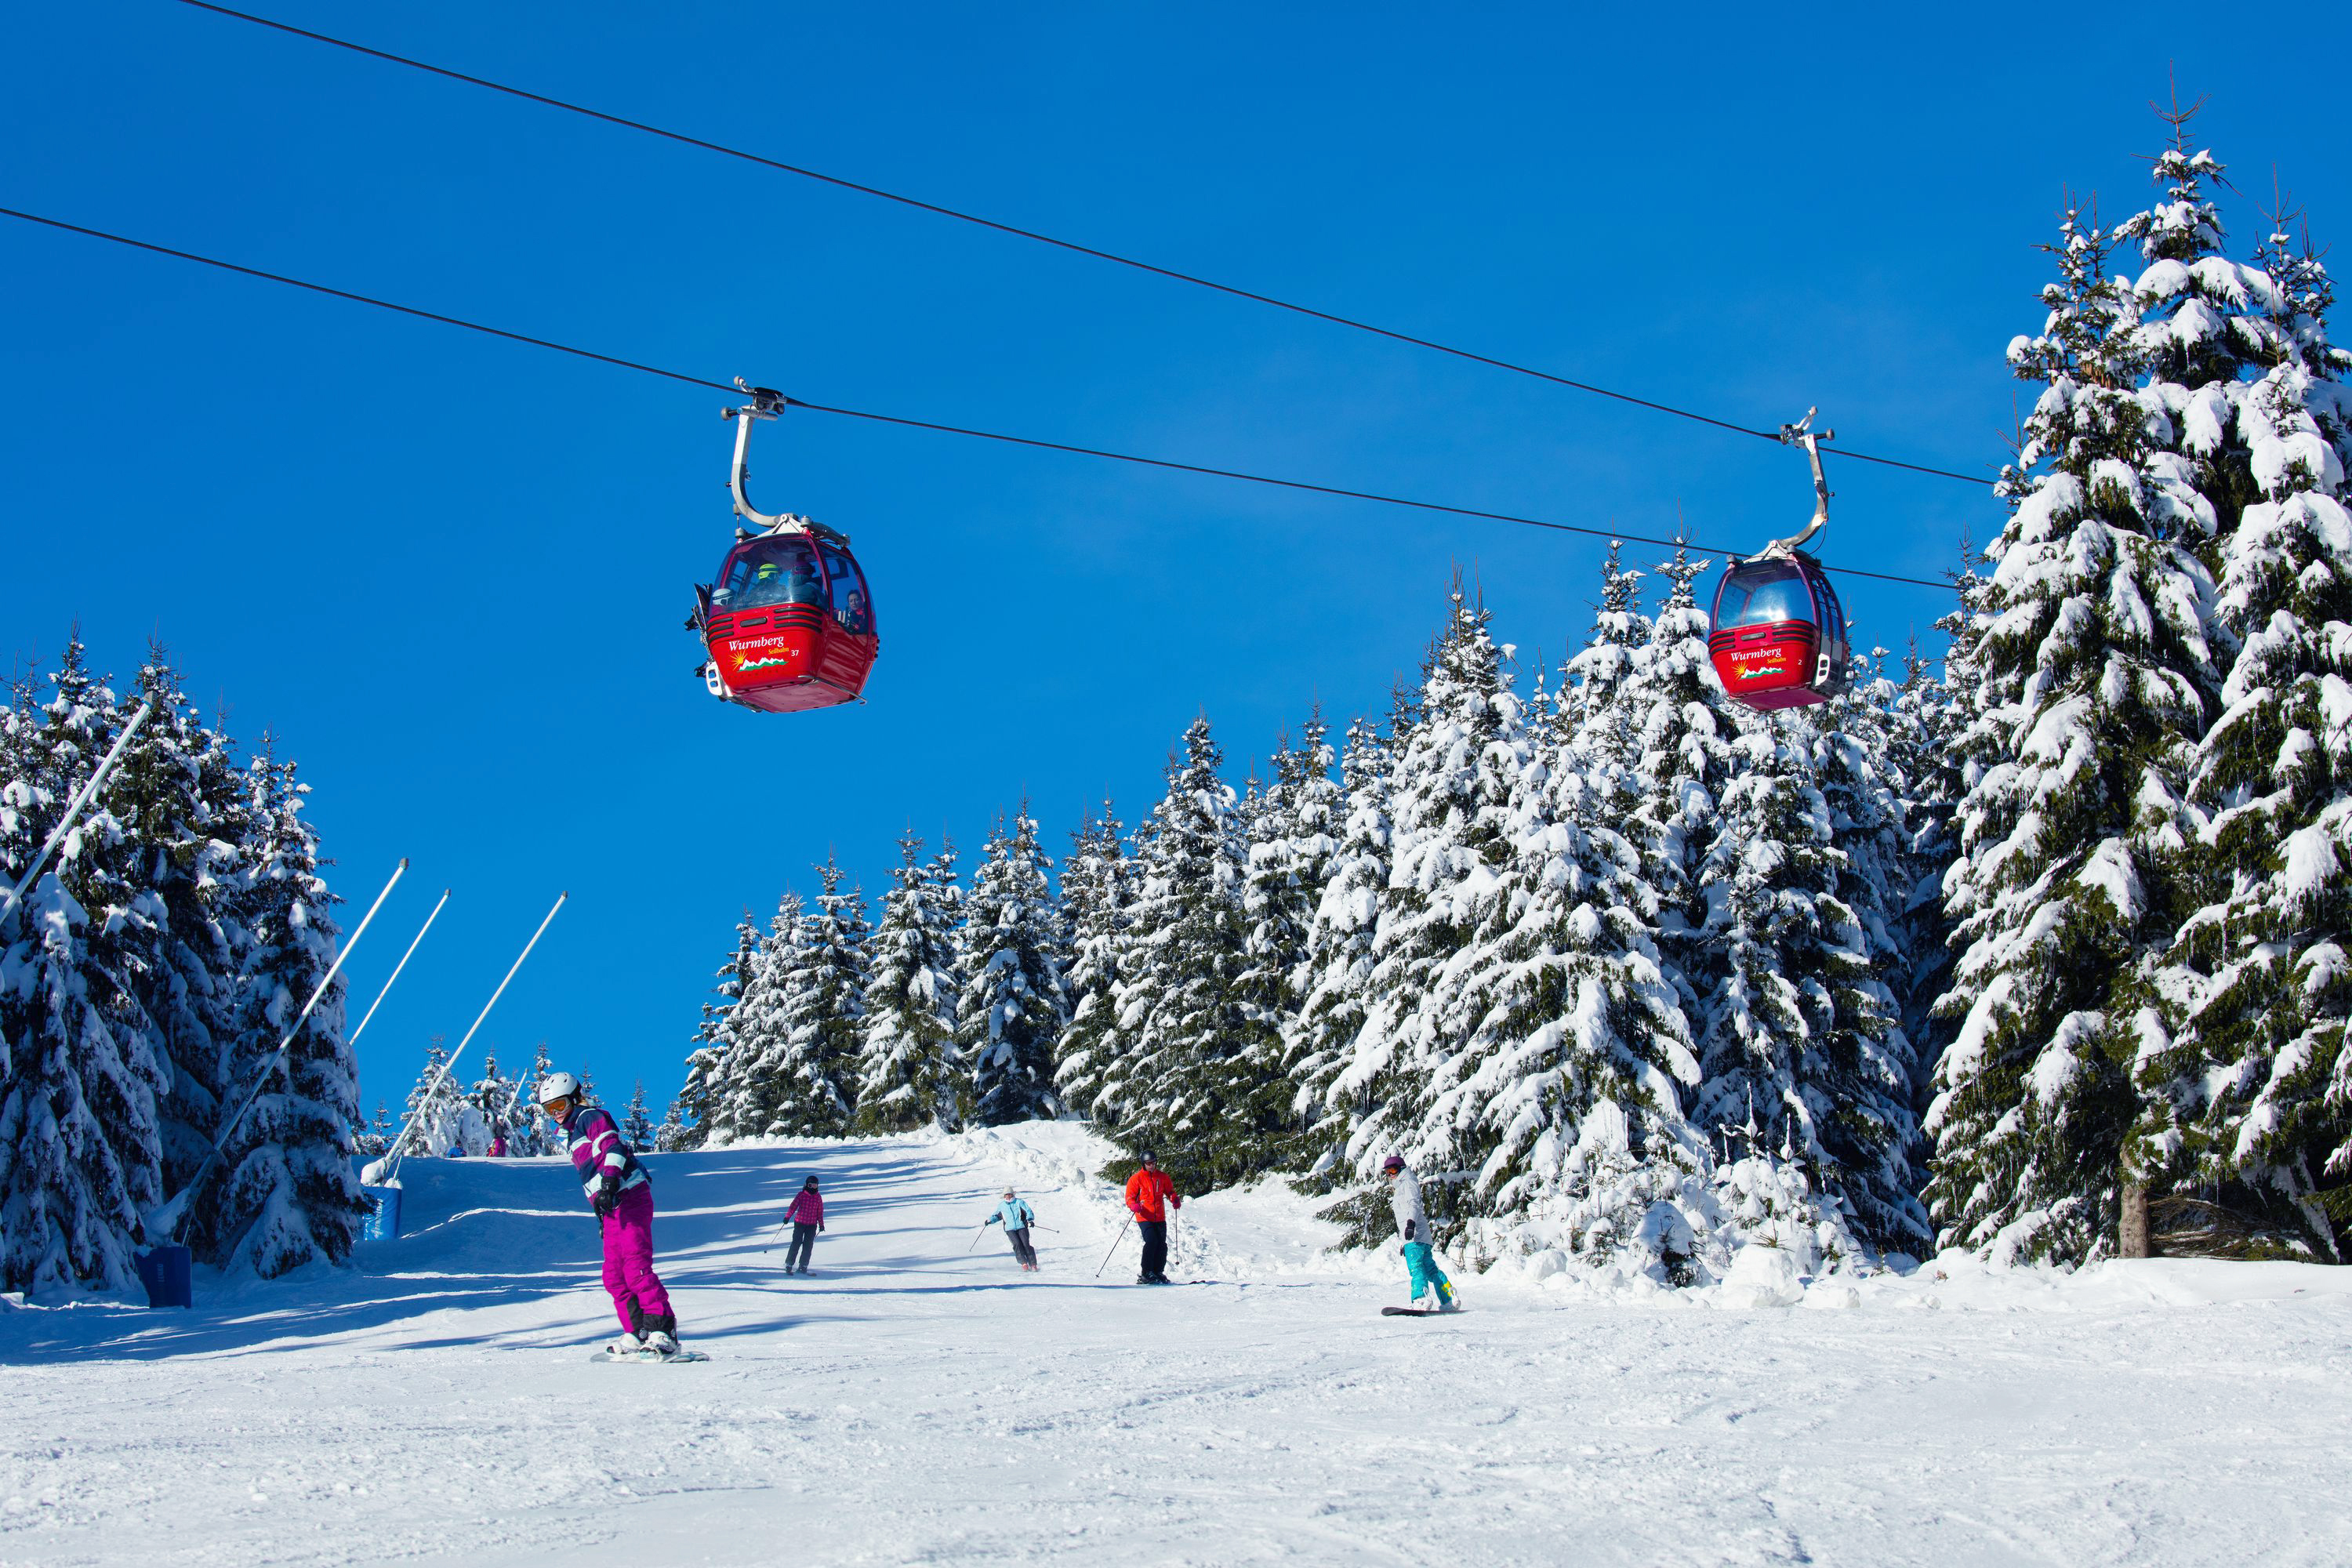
point(597, 1148)
point(808, 1208)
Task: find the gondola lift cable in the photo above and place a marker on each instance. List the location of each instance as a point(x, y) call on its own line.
point(1074, 247)
point(906, 422)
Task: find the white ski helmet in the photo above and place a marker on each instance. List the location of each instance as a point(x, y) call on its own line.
point(558, 1086)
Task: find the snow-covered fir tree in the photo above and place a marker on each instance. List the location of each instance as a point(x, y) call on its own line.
point(800, 1023)
point(1289, 841)
point(676, 1133)
point(2259, 972)
point(284, 1193)
point(437, 1115)
point(638, 1125)
point(1798, 1039)
point(707, 1085)
point(1168, 1087)
point(759, 1047)
point(1096, 894)
point(911, 1074)
point(180, 795)
point(2092, 665)
point(533, 1133)
point(81, 1147)
point(497, 1096)
point(1016, 1002)
point(1334, 972)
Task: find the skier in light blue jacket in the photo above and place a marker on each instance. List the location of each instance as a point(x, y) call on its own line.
point(1017, 1216)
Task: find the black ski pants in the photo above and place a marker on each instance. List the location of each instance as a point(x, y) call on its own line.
point(1023, 1253)
point(803, 1243)
point(1155, 1247)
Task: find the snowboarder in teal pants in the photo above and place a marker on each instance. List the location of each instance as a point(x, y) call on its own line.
point(1413, 1230)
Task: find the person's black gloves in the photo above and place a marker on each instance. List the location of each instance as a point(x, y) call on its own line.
point(1408, 1230)
point(608, 1196)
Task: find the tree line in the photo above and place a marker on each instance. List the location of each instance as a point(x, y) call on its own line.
point(145, 980)
point(2034, 954)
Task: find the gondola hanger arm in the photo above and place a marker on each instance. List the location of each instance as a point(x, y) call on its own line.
point(766, 404)
point(1803, 434)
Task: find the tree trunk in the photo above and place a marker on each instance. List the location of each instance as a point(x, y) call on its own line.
point(2131, 1226)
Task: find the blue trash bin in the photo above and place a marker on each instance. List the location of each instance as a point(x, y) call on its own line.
point(383, 1214)
point(165, 1271)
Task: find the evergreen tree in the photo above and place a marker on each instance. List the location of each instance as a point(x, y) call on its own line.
point(1682, 725)
point(759, 1051)
point(436, 1114)
point(1450, 795)
point(707, 1083)
point(534, 1133)
point(284, 1193)
point(909, 1072)
point(1541, 1097)
point(1799, 1038)
point(675, 1134)
point(798, 1077)
point(179, 796)
point(1289, 842)
point(1619, 631)
point(499, 1099)
point(1318, 1039)
point(2091, 670)
point(2257, 1068)
point(80, 1142)
point(1096, 902)
point(637, 1126)
point(1015, 1005)
point(1168, 1088)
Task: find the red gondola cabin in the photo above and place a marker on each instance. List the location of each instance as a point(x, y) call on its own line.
point(789, 623)
point(1778, 634)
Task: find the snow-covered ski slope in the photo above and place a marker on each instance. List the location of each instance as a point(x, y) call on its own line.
point(910, 1402)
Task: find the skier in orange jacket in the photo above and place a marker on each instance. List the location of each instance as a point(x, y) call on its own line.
point(1149, 1195)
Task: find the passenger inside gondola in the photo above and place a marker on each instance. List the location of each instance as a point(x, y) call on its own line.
point(770, 572)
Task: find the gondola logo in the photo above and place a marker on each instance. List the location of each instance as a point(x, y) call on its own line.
point(1751, 671)
point(754, 666)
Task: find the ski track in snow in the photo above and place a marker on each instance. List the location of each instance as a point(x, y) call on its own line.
point(912, 1403)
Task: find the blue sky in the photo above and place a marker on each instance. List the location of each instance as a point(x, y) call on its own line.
point(449, 572)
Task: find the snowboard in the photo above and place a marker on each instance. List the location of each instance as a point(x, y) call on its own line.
point(1418, 1312)
point(649, 1356)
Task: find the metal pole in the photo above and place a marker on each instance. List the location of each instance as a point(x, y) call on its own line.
point(178, 1206)
point(425, 1099)
point(398, 967)
point(1114, 1247)
point(82, 797)
point(975, 1239)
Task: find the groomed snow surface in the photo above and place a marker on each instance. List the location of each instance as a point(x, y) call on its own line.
point(910, 1402)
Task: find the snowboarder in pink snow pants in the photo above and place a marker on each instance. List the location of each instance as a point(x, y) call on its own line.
point(623, 1196)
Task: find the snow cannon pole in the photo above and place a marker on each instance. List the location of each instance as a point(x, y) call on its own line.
point(178, 1207)
point(398, 967)
point(400, 1147)
point(82, 797)
point(1114, 1247)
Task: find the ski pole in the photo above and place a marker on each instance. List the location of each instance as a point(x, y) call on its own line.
point(975, 1238)
point(1114, 1247)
